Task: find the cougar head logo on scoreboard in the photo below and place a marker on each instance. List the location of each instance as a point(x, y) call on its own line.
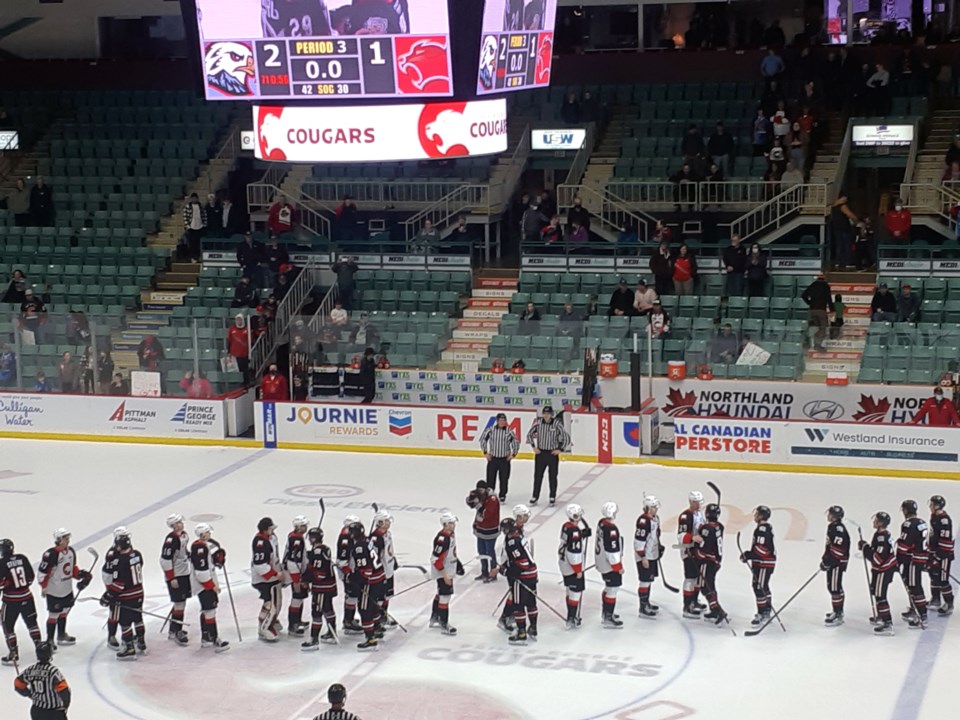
point(541, 75)
point(488, 62)
point(422, 67)
point(229, 68)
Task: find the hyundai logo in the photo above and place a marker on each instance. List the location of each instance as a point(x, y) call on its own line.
point(823, 410)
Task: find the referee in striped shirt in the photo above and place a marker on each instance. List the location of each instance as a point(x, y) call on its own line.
point(45, 686)
point(499, 445)
point(548, 439)
point(336, 696)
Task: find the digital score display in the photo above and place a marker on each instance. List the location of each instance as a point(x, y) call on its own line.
point(516, 47)
point(315, 49)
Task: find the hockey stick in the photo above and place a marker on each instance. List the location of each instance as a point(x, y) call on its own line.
point(545, 604)
point(412, 587)
point(323, 511)
point(751, 633)
point(873, 602)
point(663, 577)
point(96, 559)
point(421, 568)
point(165, 621)
point(233, 606)
point(585, 571)
point(502, 600)
point(142, 612)
point(391, 617)
point(747, 563)
point(715, 489)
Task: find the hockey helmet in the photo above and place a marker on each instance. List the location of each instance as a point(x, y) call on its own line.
point(356, 530)
point(315, 536)
point(381, 516)
point(909, 507)
point(712, 512)
point(6, 548)
point(121, 537)
point(762, 512)
point(937, 502)
point(350, 520)
point(265, 524)
point(448, 518)
point(174, 519)
point(651, 501)
point(610, 510)
point(695, 496)
point(507, 524)
point(882, 519)
point(202, 529)
point(519, 511)
point(59, 534)
point(574, 512)
point(835, 513)
point(300, 521)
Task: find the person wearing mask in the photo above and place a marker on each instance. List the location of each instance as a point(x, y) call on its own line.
point(937, 411)
point(276, 258)
point(194, 224)
point(659, 322)
point(368, 375)
point(69, 374)
point(345, 268)
point(817, 297)
point(661, 265)
point(908, 305)
point(643, 298)
point(578, 214)
point(551, 233)
point(532, 223)
point(684, 271)
point(734, 266)
point(238, 344)
point(720, 147)
point(250, 254)
point(577, 237)
point(899, 221)
point(150, 353)
point(883, 307)
point(273, 386)
point(621, 300)
point(756, 272)
point(864, 246)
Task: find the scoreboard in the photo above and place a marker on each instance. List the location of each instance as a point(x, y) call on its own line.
point(324, 49)
point(516, 46)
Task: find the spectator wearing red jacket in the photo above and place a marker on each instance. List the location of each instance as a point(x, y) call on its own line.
point(280, 220)
point(899, 221)
point(196, 387)
point(937, 411)
point(486, 527)
point(273, 386)
point(238, 344)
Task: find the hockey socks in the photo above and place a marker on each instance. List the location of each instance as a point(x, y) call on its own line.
point(51, 628)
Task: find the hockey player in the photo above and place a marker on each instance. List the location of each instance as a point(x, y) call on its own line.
point(609, 557)
point(206, 555)
point(506, 621)
point(687, 526)
point(126, 590)
point(57, 571)
point(294, 563)
point(382, 540)
point(16, 575)
point(295, 18)
point(762, 558)
point(521, 571)
point(879, 553)
point(444, 563)
point(266, 575)
point(709, 553)
point(113, 608)
point(940, 546)
point(912, 559)
point(836, 555)
point(368, 578)
point(345, 567)
point(573, 536)
point(646, 544)
point(323, 588)
point(175, 562)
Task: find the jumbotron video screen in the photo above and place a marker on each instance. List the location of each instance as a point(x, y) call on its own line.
point(516, 46)
point(324, 49)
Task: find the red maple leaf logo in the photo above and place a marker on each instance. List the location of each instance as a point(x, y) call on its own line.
point(871, 411)
point(680, 404)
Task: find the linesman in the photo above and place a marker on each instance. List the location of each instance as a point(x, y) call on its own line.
point(499, 446)
point(548, 439)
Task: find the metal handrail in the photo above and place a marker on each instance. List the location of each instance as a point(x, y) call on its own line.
point(929, 199)
point(261, 196)
point(275, 174)
point(230, 148)
point(914, 151)
point(842, 161)
point(776, 211)
point(266, 345)
point(326, 305)
point(613, 213)
point(582, 158)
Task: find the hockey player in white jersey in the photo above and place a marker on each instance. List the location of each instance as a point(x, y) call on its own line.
point(58, 569)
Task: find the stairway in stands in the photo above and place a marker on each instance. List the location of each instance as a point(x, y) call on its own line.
point(488, 302)
point(609, 143)
point(844, 354)
point(943, 124)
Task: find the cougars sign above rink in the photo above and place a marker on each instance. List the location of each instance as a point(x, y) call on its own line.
point(380, 133)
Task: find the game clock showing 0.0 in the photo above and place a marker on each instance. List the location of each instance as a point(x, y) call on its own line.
point(316, 49)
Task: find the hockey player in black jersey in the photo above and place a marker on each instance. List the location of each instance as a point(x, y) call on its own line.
point(521, 572)
point(879, 553)
point(912, 560)
point(369, 578)
point(573, 537)
point(126, 590)
point(709, 553)
point(16, 576)
point(351, 592)
point(294, 564)
point(113, 609)
point(320, 576)
point(940, 547)
point(762, 558)
point(295, 18)
point(836, 555)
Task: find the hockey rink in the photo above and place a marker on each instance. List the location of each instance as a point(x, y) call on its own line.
point(662, 669)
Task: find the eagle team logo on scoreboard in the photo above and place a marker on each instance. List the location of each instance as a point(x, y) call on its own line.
point(422, 66)
point(229, 68)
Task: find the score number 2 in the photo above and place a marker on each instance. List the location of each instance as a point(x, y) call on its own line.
point(273, 54)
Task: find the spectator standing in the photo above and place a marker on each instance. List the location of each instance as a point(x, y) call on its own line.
point(45, 686)
point(238, 345)
point(684, 186)
point(795, 147)
point(841, 217)
point(621, 300)
point(590, 109)
point(348, 220)
point(725, 347)
point(691, 146)
point(570, 323)
point(338, 316)
point(735, 266)
point(879, 90)
point(105, 366)
point(197, 387)
point(77, 328)
point(230, 221)
point(365, 333)
point(684, 271)
point(529, 320)
point(119, 386)
point(337, 697)
point(486, 522)
point(864, 246)
point(643, 298)
point(532, 223)
point(245, 294)
point(760, 133)
point(17, 289)
point(150, 353)
point(772, 65)
point(280, 219)
point(780, 123)
point(937, 411)
point(659, 322)
point(499, 445)
point(548, 439)
point(426, 239)
point(276, 258)
point(720, 147)
point(774, 36)
point(69, 374)
point(836, 326)
point(87, 369)
point(18, 202)
point(33, 315)
point(194, 223)
point(661, 265)
point(757, 272)
point(250, 254)
point(908, 305)
point(213, 209)
point(8, 366)
point(772, 98)
point(791, 177)
point(368, 375)
point(462, 236)
point(776, 159)
point(570, 110)
point(282, 288)
point(273, 386)
point(345, 268)
point(898, 221)
point(662, 233)
point(817, 297)
point(579, 214)
point(883, 307)
point(41, 384)
point(41, 204)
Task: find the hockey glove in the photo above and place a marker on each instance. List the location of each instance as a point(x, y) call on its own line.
point(108, 599)
point(861, 545)
point(824, 566)
point(585, 533)
point(743, 557)
point(219, 557)
point(83, 579)
point(460, 570)
point(472, 500)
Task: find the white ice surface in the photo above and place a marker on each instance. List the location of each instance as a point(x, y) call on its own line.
point(650, 670)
